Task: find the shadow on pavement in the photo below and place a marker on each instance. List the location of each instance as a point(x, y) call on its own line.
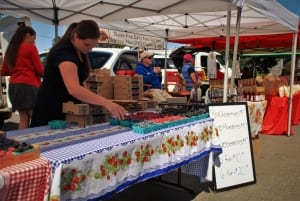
point(153, 189)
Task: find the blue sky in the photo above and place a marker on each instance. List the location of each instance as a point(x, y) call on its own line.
point(292, 5)
point(45, 32)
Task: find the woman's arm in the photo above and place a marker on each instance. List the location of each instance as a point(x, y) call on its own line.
point(68, 71)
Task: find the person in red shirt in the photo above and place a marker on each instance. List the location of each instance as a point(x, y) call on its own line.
point(22, 63)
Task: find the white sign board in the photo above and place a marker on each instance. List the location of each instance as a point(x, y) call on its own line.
point(134, 40)
point(236, 166)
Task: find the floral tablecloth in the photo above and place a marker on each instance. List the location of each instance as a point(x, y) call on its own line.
point(256, 112)
point(96, 162)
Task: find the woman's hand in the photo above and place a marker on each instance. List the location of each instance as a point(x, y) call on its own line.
point(157, 69)
point(103, 35)
point(116, 110)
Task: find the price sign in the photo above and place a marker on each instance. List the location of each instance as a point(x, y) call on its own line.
point(235, 166)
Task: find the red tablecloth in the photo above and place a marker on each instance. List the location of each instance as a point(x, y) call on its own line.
point(296, 109)
point(276, 117)
point(25, 181)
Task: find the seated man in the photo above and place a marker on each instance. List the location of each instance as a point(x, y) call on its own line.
point(149, 73)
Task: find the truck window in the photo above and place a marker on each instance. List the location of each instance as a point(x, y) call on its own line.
point(161, 63)
point(98, 59)
point(204, 62)
point(126, 61)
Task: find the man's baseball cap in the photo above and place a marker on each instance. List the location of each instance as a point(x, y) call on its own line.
point(146, 54)
point(187, 57)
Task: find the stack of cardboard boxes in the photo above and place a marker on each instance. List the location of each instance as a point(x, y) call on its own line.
point(84, 114)
point(77, 113)
point(128, 87)
point(101, 83)
point(128, 91)
point(125, 90)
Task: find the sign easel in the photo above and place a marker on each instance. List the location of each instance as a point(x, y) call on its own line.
point(235, 166)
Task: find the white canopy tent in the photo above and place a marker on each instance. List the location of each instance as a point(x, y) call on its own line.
point(183, 18)
point(168, 19)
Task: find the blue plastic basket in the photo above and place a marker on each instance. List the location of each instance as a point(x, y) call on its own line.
point(57, 124)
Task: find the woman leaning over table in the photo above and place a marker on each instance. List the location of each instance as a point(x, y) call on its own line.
point(22, 63)
point(66, 70)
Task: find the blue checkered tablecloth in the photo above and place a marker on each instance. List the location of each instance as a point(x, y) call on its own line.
point(101, 160)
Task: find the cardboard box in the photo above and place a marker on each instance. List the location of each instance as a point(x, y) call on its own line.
point(101, 83)
point(81, 120)
point(182, 100)
point(94, 85)
point(105, 72)
point(77, 109)
point(96, 109)
point(128, 87)
point(100, 118)
point(151, 104)
point(137, 79)
point(17, 158)
point(96, 78)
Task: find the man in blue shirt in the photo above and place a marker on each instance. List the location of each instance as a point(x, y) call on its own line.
point(149, 73)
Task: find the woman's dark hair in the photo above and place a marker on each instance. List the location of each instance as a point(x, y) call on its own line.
point(85, 29)
point(69, 32)
point(15, 43)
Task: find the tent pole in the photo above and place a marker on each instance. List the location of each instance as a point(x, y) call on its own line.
point(55, 19)
point(166, 59)
point(235, 49)
point(292, 81)
point(227, 56)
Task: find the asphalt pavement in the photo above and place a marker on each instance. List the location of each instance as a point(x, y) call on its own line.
point(277, 169)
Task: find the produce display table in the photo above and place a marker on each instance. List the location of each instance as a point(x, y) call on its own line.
point(100, 160)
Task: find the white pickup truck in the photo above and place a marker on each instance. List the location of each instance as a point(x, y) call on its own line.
point(200, 55)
